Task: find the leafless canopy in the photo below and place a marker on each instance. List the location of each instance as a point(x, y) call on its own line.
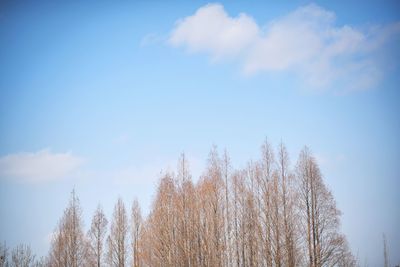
point(270, 213)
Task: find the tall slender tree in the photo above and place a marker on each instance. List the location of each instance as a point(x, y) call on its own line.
point(319, 212)
point(265, 184)
point(385, 251)
point(160, 231)
point(287, 194)
point(69, 246)
point(117, 239)
point(225, 168)
point(136, 231)
point(96, 235)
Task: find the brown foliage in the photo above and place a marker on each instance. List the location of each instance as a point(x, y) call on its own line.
point(267, 214)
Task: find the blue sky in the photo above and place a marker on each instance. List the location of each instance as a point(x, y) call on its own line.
point(104, 96)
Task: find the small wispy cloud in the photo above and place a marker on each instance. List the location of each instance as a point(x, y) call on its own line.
point(36, 167)
point(305, 42)
point(152, 38)
point(121, 139)
point(331, 161)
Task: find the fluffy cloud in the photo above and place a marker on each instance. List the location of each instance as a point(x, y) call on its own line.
point(305, 42)
point(41, 166)
point(211, 30)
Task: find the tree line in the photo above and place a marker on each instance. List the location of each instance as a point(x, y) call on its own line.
point(269, 213)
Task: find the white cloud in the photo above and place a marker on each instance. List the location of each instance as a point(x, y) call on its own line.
point(121, 139)
point(331, 161)
point(41, 166)
point(151, 38)
point(305, 42)
point(211, 30)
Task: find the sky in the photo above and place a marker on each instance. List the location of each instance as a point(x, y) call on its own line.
point(104, 96)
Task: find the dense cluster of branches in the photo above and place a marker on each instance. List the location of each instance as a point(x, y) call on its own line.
point(21, 256)
point(267, 214)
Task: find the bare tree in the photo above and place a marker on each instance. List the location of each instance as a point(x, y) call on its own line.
point(385, 251)
point(41, 262)
point(344, 255)
point(3, 255)
point(136, 219)
point(184, 213)
point(160, 232)
point(320, 215)
point(238, 187)
point(96, 235)
point(214, 209)
point(227, 219)
point(276, 214)
point(117, 239)
point(69, 245)
point(287, 194)
point(22, 256)
point(267, 214)
point(265, 184)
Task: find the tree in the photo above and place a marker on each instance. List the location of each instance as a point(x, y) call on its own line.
point(385, 252)
point(22, 256)
point(41, 262)
point(117, 239)
point(96, 235)
point(265, 184)
point(287, 193)
point(136, 219)
point(3, 255)
point(227, 219)
point(276, 219)
point(319, 213)
point(237, 188)
point(160, 231)
point(345, 257)
point(214, 197)
point(267, 214)
point(68, 245)
point(182, 203)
